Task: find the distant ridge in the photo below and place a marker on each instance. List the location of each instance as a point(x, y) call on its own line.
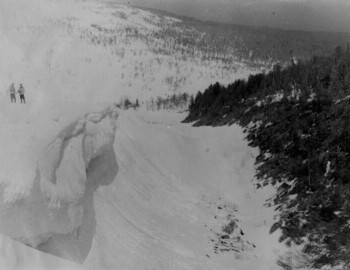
point(262, 43)
point(239, 25)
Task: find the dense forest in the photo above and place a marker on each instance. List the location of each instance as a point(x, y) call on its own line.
point(299, 119)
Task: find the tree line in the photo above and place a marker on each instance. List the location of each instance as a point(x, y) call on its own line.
point(169, 102)
point(299, 118)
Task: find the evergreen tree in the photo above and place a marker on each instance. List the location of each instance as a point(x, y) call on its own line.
point(304, 146)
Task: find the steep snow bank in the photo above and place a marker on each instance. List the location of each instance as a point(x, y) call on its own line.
point(58, 200)
point(14, 255)
point(177, 188)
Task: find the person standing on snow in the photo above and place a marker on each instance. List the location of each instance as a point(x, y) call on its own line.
point(12, 93)
point(21, 93)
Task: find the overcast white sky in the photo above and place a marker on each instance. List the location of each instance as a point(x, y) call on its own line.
point(322, 15)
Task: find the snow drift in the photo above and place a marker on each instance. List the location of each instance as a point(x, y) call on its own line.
point(182, 199)
point(140, 190)
point(59, 202)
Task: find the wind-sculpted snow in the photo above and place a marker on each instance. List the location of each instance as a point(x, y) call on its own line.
point(71, 153)
point(60, 201)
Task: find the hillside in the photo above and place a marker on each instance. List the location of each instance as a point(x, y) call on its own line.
point(131, 190)
point(128, 51)
point(121, 50)
point(103, 188)
point(298, 118)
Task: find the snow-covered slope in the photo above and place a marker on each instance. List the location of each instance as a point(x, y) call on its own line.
point(15, 255)
point(172, 197)
point(176, 191)
point(109, 189)
point(59, 48)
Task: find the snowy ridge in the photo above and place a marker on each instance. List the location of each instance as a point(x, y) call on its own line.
point(57, 199)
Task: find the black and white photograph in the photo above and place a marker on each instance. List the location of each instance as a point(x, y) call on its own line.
point(175, 134)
